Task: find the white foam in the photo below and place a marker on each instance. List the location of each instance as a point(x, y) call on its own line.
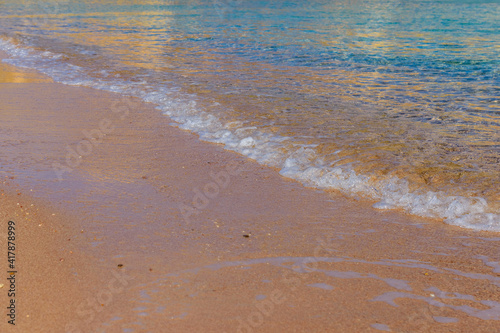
point(301, 164)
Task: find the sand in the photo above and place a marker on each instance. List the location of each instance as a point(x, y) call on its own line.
point(126, 223)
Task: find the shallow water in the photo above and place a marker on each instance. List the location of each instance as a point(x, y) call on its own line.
point(396, 102)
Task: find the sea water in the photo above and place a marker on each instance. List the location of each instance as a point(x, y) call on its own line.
point(397, 102)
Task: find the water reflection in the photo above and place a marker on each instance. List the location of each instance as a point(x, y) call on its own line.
point(398, 88)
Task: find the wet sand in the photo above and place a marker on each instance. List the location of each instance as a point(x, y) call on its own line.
point(137, 226)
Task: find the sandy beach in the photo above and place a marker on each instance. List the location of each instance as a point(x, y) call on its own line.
point(126, 223)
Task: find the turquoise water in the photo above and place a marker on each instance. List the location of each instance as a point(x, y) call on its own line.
point(397, 102)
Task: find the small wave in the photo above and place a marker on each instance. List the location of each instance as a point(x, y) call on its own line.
point(300, 163)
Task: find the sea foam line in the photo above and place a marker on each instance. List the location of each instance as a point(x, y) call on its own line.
point(303, 164)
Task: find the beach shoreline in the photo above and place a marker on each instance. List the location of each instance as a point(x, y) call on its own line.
point(206, 239)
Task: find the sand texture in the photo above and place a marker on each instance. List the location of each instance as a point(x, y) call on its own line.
point(125, 223)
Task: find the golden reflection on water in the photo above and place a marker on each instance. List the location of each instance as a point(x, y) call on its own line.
point(10, 74)
point(351, 117)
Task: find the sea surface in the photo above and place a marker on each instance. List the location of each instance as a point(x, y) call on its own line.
point(397, 102)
